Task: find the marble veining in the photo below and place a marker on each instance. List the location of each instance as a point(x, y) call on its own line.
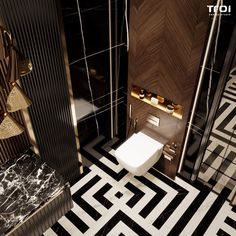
point(26, 182)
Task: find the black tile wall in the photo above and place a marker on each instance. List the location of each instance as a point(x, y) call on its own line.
point(95, 30)
point(95, 25)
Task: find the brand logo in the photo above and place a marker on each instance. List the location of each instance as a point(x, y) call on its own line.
point(223, 10)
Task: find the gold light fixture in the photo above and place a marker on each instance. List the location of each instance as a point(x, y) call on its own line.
point(17, 99)
point(5, 42)
point(24, 64)
point(18, 65)
point(9, 127)
point(12, 72)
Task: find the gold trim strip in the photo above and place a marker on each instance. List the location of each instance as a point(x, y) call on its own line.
point(163, 103)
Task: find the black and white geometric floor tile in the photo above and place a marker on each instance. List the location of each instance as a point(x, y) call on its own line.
point(110, 201)
point(219, 162)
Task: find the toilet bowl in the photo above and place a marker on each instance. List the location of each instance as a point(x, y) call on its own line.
point(139, 153)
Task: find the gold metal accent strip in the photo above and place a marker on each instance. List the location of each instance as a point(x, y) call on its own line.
point(163, 103)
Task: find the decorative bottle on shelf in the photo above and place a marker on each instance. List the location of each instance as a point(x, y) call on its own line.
point(142, 94)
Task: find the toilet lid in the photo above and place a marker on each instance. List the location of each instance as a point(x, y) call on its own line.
point(138, 149)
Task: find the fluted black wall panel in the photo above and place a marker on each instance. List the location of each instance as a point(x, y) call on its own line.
point(35, 25)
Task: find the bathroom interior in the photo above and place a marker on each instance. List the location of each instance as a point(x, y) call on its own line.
point(132, 108)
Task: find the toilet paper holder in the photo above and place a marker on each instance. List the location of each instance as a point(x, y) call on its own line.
point(169, 151)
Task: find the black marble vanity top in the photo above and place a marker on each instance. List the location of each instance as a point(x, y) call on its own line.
point(26, 183)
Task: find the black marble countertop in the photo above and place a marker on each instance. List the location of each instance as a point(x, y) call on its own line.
point(26, 182)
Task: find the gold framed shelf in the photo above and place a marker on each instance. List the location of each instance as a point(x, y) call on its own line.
point(157, 101)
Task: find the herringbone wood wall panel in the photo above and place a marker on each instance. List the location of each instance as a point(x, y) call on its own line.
point(167, 41)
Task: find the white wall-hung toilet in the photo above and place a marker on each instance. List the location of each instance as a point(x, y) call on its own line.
point(139, 153)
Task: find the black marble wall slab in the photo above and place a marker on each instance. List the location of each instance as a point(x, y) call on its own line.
point(87, 36)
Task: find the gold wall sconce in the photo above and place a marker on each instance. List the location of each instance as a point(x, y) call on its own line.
point(18, 66)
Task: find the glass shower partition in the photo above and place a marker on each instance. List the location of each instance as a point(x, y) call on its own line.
point(206, 158)
point(218, 166)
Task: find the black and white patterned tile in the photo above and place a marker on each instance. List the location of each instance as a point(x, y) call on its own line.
point(110, 201)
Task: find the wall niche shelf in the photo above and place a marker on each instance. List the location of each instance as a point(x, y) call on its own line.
point(157, 101)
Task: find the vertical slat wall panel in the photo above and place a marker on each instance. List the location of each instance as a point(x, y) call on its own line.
point(36, 27)
point(10, 147)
